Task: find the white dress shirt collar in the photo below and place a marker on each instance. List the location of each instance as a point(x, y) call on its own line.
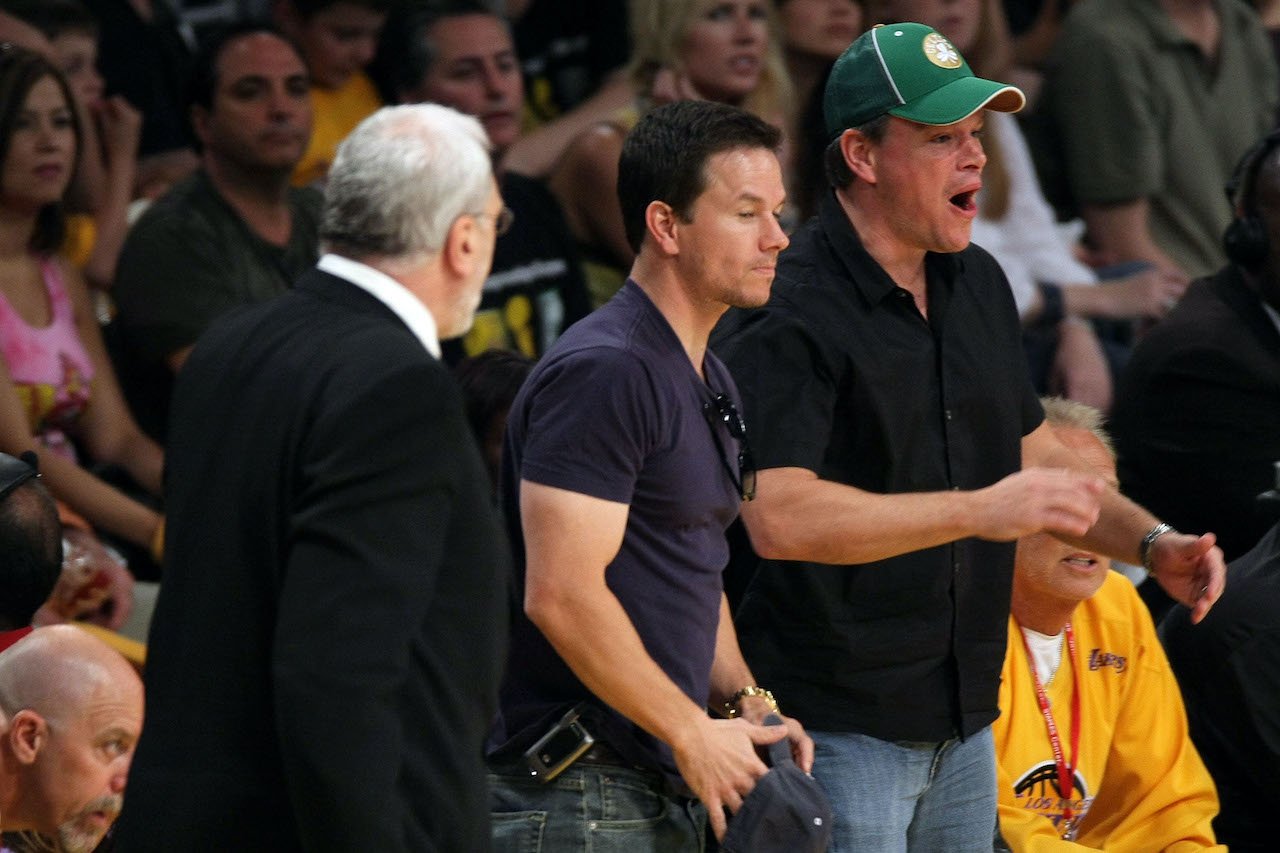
point(1273, 314)
point(389, 292)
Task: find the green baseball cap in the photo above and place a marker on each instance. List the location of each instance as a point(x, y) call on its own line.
point(910, 71)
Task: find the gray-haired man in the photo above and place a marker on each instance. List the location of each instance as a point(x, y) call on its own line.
point(325, 651)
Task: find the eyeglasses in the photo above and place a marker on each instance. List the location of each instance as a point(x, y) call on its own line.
point(721, 408)
point(502, 220)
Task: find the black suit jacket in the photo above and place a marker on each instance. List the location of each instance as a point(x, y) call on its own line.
point(1197, 413)
point(326, 648)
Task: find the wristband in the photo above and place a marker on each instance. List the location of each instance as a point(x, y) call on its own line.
point(731, 707)
point(1144, 550)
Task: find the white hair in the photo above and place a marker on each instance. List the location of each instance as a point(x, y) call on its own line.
point(401, 179)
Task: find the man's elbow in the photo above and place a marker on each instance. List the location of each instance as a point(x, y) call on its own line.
point(772, 535)
point(547, 607)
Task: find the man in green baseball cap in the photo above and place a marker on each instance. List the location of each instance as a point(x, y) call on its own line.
point(900, 451)
point(910, 71)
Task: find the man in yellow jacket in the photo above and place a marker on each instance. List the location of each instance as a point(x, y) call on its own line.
point(1091, 744)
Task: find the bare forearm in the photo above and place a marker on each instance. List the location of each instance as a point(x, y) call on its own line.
point(797, 516)
point(825, 522)
point(112, 226)
point(1121, 233)
point(592, 632)
point(729, 670)
point(104, 506)
point(1121, 524)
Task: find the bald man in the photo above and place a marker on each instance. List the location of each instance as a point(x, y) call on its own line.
point(70, 713)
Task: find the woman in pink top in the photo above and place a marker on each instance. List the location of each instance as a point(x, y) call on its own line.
point(56, 383)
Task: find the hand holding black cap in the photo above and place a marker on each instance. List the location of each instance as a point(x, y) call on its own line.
point(786, 812)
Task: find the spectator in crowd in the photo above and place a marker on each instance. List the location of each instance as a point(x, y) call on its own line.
point(568, 51)
point(337, 38)
point(815, 33)
point(1148, 104)
point(1200, 401)
point(144, 55)
point(901, 451)
point(233, 233)
point(1091, 744)
point(70, 711)
point(623, 468)
point(326, 647)
point(57, 389)
point(1229, 670)
point(460, 54)
point(683, 49)
point(1057, 294)
point(106, 171)
point(30, 547)
point(572, 57)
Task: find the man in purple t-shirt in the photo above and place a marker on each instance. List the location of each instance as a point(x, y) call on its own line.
point(624, 466)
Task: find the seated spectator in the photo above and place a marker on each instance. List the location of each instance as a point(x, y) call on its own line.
point(1227, 667)
point(1056, 293)
point(145, 56)
point(233, 233)
point(683, 49)
point(57, 389)
point(572, 54)
point(1200, 400)
point(54, 569)
point(107, 168)
point(1146, 107)
point(814, 33)
point(70, 714)
point(30, 547)
point(568, 51)
point(461, 55)
point(1091, 743)
point(337, 38)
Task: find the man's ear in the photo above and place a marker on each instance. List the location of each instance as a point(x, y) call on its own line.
point(460, 252)
point(200, 124)
point(859, 155)
point(663, 225)
point(27, 735)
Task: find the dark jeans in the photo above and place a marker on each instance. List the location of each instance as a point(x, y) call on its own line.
point(592, 807)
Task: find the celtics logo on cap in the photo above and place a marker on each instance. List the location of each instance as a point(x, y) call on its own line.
point(941, 52)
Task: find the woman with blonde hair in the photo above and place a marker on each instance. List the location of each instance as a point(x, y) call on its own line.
point(720, 50)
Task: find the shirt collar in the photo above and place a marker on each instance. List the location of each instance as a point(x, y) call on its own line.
point(1273, 314)
point(390, 293)
point(865, 271)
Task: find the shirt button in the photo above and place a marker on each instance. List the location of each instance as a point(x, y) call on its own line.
point(947, 414)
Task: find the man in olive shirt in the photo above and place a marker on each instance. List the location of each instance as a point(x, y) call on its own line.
point(1148, 104)
point(232, 234)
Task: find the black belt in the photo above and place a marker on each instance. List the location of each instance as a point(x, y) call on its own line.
point(602, 753)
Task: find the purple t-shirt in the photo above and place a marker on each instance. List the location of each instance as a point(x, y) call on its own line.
point(615, 410)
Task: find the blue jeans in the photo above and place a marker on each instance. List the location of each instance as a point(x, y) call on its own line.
point(892, 797)
point(592, 807)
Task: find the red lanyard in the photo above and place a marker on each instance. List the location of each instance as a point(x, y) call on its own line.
point(1066, 773)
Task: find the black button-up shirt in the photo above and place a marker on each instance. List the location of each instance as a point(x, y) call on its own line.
point(841, 374)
